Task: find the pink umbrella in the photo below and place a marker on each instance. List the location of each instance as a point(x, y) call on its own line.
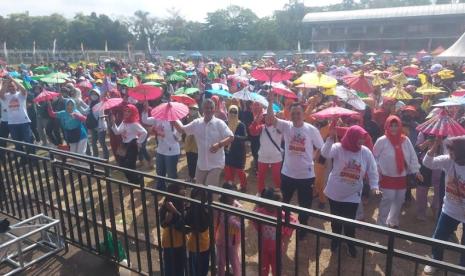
point(333, 112)
point(271, 74)
point(441, 125)
point(46, 96)
point(284, 92)
point(107, 104)
point(183, 99)
point(145, 92)
point(458, 93)
point(85, 84)
point(411, 71)
point(358, 83)
point(171, 111)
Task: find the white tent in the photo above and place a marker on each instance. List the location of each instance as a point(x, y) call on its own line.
point(455, 53)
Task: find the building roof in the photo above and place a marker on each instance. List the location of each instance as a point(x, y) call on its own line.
point(384, 13)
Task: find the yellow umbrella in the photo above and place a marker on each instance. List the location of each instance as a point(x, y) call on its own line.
point(330, 91)
point(153, 76)
point(377, 72)
point(398, 93)
point(400, 79)
point(446, 74)
point(316, 79)
point(393, 69)
point(246, 66)
point(429, 89)
point(378, 81)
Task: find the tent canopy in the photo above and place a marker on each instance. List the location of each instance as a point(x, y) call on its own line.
point(455, 53)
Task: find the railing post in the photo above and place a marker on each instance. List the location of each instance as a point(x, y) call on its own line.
point(279, 227)
point(212, 233)
point(389, 254)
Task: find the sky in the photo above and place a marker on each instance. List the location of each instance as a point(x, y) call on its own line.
point(195, 10)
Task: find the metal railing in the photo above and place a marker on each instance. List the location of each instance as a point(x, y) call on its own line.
point(91, 200)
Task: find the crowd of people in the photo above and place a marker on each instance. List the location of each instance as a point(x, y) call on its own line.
point(374, 143)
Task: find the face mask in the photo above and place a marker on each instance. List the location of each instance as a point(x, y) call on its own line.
point(94, 97)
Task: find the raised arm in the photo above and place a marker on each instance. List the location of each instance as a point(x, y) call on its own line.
point(3, 87)
point(270, 111)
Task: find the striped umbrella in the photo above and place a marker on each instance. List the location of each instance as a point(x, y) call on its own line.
point(441, 125)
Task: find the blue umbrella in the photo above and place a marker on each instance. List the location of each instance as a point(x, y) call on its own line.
point(276, 107)
point(14, 74)
point(196, 54)
point(219, 92)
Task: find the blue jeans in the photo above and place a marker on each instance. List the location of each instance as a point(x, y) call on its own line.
point(445, 227)
point(23, 133)
point(167, 165)
point(100, 137)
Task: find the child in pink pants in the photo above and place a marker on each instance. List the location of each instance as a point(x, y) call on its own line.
point(234, 237)
point(268, 234)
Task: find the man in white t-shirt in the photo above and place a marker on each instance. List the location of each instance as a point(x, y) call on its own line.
point(211, 135)
point(14, 96)
point(300, 138)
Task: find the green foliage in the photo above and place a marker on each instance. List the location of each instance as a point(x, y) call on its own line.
point(231, 28)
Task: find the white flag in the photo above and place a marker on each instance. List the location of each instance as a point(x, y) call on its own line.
point(148, 45)
point(106, 46)
point(298, 46)
point(5, 52)
point(82, 47)
point(34, 48)
point(54, 46)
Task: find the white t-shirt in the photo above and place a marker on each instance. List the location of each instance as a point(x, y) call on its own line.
point(130, 131)
point(268, 153)
point(167, 136)
point(16, 108)
point(298, 153)
point(454, 198)
point(345, 181)
point(207, 134)
point(4, 111)
point(385, 157)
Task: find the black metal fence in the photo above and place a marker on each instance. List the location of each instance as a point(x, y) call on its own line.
point(92, 200)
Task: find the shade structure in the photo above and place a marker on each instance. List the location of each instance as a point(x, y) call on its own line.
point(129, 82)
point(183, 99)
point(411, 71)
point(439, 50)
point(334, 112)
point(441, 125)
point(359, 83)
point(429, 89)
point(219, 92)
point(145, 92)
point(398, 93)
point(350, 97)
point(316, 80)
point(171, 111)
point(107, 104)
point(46, 96)
point(271, 74)
point(186, 91)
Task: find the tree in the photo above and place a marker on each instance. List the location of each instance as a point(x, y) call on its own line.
point(146, 29)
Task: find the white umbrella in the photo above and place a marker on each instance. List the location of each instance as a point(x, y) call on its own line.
point(246, 95)
point(350, 97)
point(219, 86)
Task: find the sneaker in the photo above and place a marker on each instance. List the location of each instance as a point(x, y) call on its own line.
point(352, 251)
point(429, 270)
point(334, 245)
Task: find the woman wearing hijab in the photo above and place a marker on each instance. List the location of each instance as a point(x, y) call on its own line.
point(351, 162)
point(453, 209)
point(132, 135)
point(396, 157)
point(219, 108)
point(97, 125)
point(72, 122)
point(235, 153)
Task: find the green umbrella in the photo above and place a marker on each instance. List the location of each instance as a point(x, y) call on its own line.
point(37, 77)
point(186, 91)
point(176, 78)
point(57, 75)
point(41, 69)
point(24, 84)
point(153, 83)
point(181, 73)
point(361, 94)
point(129, 82)
point(212, 75)
point(52, 80)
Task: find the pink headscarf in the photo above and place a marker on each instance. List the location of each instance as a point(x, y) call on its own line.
point(353, 135)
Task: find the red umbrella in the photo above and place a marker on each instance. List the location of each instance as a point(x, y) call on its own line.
point(284, 92)
point(183, 99)
point(46, 96)
point(459, 93)
point(145, 92)
point(359, 83)
point(107, 104)
point(271, 74)
point(411, 71)
point(334, 112)
point(441, 125)
point(171, 111)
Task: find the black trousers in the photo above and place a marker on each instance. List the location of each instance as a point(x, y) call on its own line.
point(346, 210)
point(4, 133)
point(304, 188)
point(254, 147)
point(191, 163)
point(53, 131)
point(129, 161)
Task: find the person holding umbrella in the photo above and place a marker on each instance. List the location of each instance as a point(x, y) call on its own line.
point(396, 157)
point(211, 135)
point(297, 173)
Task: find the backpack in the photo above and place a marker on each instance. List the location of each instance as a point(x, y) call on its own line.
point(91, 121)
